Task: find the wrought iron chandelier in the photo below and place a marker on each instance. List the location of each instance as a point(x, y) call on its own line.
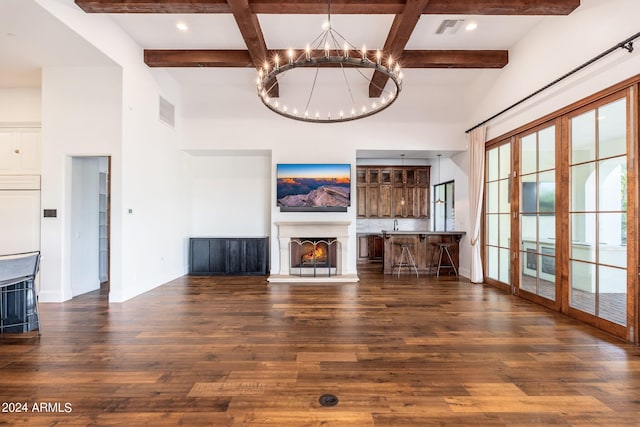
point(334, 101)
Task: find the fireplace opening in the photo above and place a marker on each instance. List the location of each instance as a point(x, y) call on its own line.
point(314, 256)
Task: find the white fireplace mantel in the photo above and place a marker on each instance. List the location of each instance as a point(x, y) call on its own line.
point(300, 229)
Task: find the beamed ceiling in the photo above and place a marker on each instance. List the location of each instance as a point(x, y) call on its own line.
point(406, 16)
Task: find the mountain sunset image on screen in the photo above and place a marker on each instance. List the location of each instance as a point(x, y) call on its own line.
point(318, 185)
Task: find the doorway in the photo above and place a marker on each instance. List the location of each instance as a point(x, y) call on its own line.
point(90, 224)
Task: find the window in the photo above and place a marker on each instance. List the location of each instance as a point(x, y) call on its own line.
point(444, 207)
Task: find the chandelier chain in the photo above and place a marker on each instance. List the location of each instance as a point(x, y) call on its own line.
point(313, 86)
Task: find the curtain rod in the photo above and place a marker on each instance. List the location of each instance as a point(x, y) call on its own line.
point(625, 44)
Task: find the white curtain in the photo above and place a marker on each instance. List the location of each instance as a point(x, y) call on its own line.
point(476, 189)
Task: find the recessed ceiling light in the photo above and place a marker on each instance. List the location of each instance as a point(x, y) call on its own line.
point(182, 26)
point(471, 26)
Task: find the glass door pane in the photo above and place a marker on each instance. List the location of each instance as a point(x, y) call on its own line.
point(538, 213)
point(597, 212)
point(498, 213)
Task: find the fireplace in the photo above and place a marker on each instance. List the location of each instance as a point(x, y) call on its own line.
point(314, 256)
point(299, 264)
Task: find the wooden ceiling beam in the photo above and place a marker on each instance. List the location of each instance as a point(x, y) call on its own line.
point(401, 29)
point(454, 58)
point(252, 34)
point(198, 58)
point(368, 7)
point(154, 6)
point(502, 7)
point(409, 59)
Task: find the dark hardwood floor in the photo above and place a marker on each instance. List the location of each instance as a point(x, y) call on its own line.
point(236, 351)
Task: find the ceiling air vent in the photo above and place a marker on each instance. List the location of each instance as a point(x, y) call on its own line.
point(449, 26)
point(167, 112)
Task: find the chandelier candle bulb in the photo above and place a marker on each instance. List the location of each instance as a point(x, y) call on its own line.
point(290, 56)
point(364, 53)
point(326, 50)
point(346, 50)
point(276, 59)
point(378, 57)
point(307, 52)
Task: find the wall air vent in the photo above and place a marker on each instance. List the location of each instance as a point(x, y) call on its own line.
point(449, 26)
point(167, 112)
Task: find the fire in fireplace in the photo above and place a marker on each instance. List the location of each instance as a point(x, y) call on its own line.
point(314, 254)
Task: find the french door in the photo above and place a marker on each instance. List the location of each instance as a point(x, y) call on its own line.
point(535, 222)
point(560, 204)
point(598, 162)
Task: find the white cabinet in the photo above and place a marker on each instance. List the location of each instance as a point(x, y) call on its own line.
point(19, 213)
point(19, 151)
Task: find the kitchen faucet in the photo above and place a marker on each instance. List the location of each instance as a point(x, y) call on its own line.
point(395, 225)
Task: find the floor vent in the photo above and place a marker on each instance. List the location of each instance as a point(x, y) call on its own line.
point(167, 112)
point(328, 400)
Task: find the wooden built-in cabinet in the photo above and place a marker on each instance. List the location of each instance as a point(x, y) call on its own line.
point(228, 256)
point(392, 192)
point(376, 247)
point(370, 248)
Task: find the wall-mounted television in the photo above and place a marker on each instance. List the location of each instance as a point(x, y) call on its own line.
point(313, 187)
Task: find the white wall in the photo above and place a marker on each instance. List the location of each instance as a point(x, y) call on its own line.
point(457, 168)
point(245, 124)
point(552, 49)
point(79, 118)
point(150, 218)
point(231, 194)
point(20, 106)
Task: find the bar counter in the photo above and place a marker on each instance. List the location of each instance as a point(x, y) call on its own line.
point(424, 248)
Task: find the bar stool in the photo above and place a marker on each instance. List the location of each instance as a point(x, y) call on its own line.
point(444, 250)
point(406, 253)
point(433, 259)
